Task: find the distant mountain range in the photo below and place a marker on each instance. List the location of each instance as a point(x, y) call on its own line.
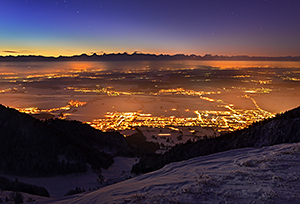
point(141, 57)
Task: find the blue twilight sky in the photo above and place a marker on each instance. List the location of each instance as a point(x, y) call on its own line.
point(223, 27)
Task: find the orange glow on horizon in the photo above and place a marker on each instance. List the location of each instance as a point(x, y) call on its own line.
point(52, 51)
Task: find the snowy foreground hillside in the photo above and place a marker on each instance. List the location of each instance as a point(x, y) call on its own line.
point(249, 175)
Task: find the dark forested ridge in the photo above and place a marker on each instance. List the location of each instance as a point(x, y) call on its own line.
point(31, 147)
point(284, 128)
point(138, 140)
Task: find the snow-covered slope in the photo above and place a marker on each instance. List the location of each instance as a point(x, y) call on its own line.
point(248, 175)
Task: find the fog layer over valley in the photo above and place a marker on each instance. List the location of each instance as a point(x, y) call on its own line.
point(159, 88)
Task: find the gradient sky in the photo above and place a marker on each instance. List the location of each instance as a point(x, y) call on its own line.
point(223, 27)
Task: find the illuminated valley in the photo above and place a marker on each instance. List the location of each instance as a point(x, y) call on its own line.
point(125, 95)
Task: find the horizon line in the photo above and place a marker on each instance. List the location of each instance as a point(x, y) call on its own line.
point(151, 54)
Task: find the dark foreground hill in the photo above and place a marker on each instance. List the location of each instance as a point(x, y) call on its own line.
point(31, 147)
point(16, 186)
point(284, 128)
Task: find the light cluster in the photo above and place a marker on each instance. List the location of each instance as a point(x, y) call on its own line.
point(71, 104)
point(229, 120)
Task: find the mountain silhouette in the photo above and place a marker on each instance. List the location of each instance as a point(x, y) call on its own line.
point(143, 57)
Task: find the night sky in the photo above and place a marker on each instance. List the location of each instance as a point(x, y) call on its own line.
point(223, 27)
